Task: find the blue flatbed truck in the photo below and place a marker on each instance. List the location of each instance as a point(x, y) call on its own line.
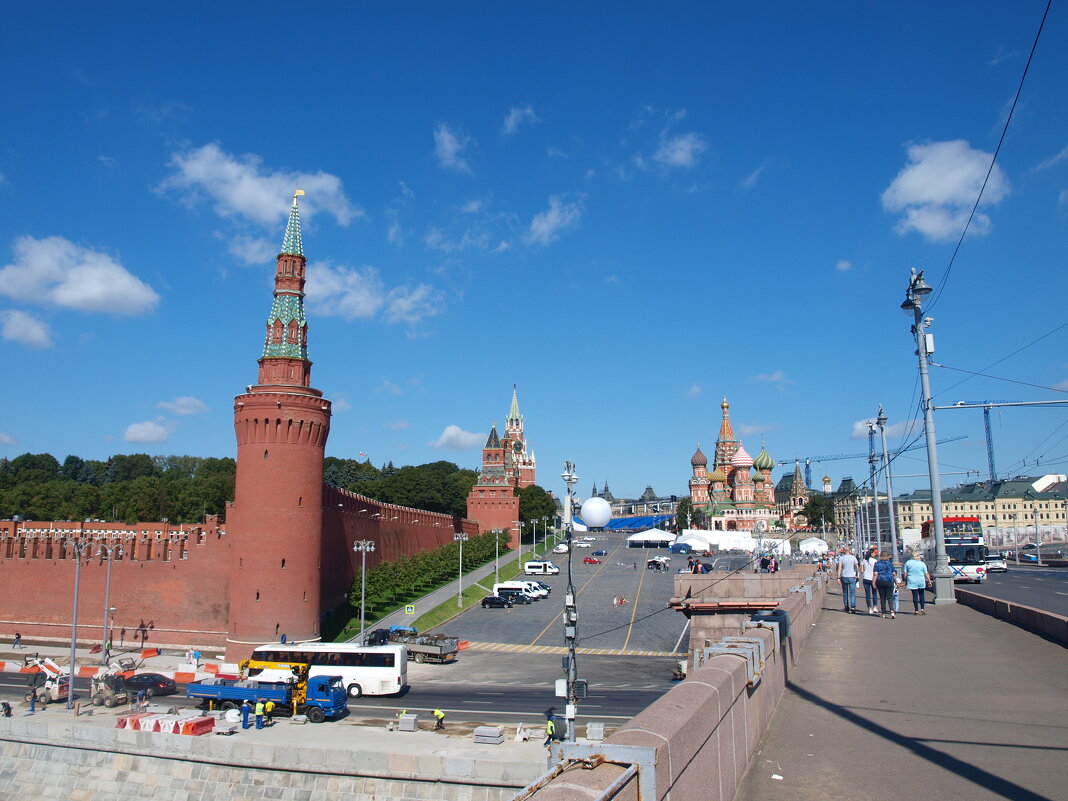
point(319, 697)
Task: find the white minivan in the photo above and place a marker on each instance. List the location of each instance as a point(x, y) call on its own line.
point(540, 569)
point(561, 548)
point(531, 588)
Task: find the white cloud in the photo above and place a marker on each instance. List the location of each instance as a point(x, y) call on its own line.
point(146, 432)
point(694, 391)
point(6, 439)
point(107, 161)
point(546, 226)
point(3, 179)
point(471, 206)
point(860, 428)
point(360, 294)
point(680, 150)
point(252, 250)
point(935, 191)
point(56, 271)
point(454, 438)
point(24, 328)
point(516, 117)
point(339, 402)
point(449, 146)
point(1053, 160)
point(1063, 385)
point(400, 425)
point(240, 186)
point(1062, 198)
point(749, 181)
point(557, 153)
point(778, 378)
point(185, 404)
point(843, 266)
point(388, 386)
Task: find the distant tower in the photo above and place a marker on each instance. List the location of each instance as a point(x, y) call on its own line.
point(494, 501)
point(274, 526)
point(521, 461)
point(699, 482)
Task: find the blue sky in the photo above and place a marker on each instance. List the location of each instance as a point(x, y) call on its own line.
point(629, 211)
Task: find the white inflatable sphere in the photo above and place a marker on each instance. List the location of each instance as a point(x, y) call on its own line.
point(596, 512)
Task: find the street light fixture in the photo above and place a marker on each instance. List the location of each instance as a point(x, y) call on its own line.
point(1015, 540)
point(915, 295)
point(461, 538)
point(363, 547)
point(108, 552)
point(570, 608)
point(80, 548)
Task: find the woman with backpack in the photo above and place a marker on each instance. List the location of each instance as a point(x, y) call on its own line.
point(885, 581)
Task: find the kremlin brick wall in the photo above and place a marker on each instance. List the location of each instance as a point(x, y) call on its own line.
point(178, 584)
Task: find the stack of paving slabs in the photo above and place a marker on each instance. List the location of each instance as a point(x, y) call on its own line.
point(489, 735)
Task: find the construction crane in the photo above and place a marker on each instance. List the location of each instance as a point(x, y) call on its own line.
point(834, 457)
point(986, 406)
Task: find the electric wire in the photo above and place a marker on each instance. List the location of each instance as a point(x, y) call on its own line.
point(1004, 130)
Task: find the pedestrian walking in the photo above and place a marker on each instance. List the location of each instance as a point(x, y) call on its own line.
point(440, 717)
point(550, 732)
point(246, 710)
point(5, 709)
point(259, 714)
point(917, 579)
point(885, 582)
point(773, 565)
point(268, 713)
point(615, 600)
point(868, 577)
point(847, 578)
point(18, 641)
point(33, 700)
point(622, 600)
point(196, 657)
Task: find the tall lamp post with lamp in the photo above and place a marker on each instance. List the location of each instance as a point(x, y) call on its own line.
point(915, 295)
point(570, 609)
point(80, 548)
point(108, 552)
point(461, 538)
point(363, 547)
point(881, 422)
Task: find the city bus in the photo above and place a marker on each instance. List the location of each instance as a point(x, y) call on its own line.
point(965, 547)
point(364, 670)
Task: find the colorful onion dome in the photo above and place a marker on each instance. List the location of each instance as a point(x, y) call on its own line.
point(741, 458)
point(764, 462)
point(699, 459)
point(718, 475)
point(758, 477)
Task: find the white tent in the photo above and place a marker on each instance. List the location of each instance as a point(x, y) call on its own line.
point(653, 536)
point(812, 545)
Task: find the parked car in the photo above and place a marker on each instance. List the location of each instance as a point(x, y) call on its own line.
point(517, 596)
point(582, 545)
point(996, 562)
point(496, 602)
point(561, 548)
point(589, 560)
point(589, 539)
point(151, 683)
point(600, 553)
point(544, 586)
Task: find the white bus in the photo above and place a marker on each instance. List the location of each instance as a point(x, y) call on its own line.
point(364, 670)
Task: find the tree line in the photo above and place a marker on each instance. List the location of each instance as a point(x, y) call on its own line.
point(182, 489)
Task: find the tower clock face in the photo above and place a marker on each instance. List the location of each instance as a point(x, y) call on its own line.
point(517, 446)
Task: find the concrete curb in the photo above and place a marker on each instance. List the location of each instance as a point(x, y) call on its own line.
point(1038, 621)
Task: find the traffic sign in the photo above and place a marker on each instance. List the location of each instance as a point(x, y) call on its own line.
point(409, 609)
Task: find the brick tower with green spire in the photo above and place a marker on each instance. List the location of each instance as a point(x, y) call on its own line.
point(274, 525)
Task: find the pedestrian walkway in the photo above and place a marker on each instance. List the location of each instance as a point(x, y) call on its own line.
point(515, 648)
point(953, 704)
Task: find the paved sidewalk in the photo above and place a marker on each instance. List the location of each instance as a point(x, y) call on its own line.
point(953, 704)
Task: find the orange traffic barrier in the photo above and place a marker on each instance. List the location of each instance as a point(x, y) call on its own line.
point(147, 653)
point(197, 726)
point(211, 667)
point(184, 677)
point(463, 644)
point(130, 721)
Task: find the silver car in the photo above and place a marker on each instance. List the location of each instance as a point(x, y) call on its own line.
point(995, 562)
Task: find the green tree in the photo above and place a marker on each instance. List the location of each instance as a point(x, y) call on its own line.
point(535, 503)
point(819, 508)
point(684, 514)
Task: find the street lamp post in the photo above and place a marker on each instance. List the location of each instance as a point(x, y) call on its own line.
point(461, 538)
point(363, 547)
point(1038, 539)
point(109, 552)
point(1015, 540)
point(881, 422)
point(915, 295)
point(570, 609)
point(80, 547)
point(874, 483)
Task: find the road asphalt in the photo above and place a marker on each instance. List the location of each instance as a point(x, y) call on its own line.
point(953, 704)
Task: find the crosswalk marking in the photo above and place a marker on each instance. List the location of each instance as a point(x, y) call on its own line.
point(559, 649)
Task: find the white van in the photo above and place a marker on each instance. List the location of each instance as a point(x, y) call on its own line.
point(561, 548)
point(531, 588)
point(540, 569)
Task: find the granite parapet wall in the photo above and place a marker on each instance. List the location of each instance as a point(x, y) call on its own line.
point(703, 732)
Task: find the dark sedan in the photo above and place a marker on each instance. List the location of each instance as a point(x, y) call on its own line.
point(600, 553)
point(151, 683)
point(496, 602)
